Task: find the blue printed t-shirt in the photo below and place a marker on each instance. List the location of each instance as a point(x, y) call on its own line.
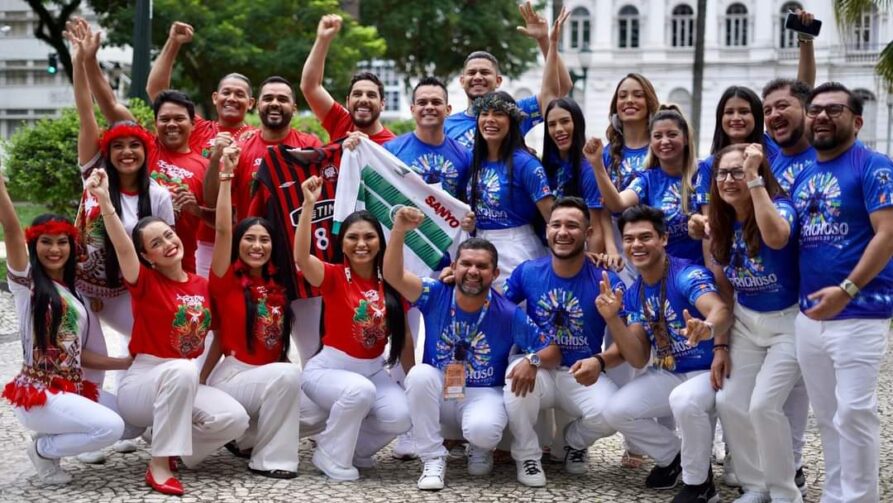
point(686, 282)
point(501, 206)
point(504, 324)
point(658, 189)
point(771, 151)
point(446, 163)
point(563, 308)
point(769, 281)
point(786, 168)
point(631, 164)
point(834, 200)
point(461, 126)
point(561, 176)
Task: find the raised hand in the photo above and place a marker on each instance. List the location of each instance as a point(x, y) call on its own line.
point(221, 141)
point(698, 226)
point(91, 40)
point(609, 302)
point(696, 330)
point(468, 222)
point(806, 18)
point(230, 158)
point(408, 218)
point(329, 26)
point(181, 33)
point(753, 157)
point(593, 149)
point(312, 189)
point(535, 26)
point(555, 34)
point(98, 184)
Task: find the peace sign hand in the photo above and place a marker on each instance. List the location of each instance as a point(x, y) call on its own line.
point(696, 330)
point(609, 302)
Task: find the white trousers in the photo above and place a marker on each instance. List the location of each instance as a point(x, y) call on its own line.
point(584, 405)
point(204, 252)
point(188, 420)
point(515, 245)
point(840, 361)
point(479, 418)
point(367, 408)
point(796, 409)
point(635, 409)
point(305, 327)
point(764, 370)
point(271, 396)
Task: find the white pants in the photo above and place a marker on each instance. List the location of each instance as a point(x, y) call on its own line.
point(764, 370)
point(515, 245)
point(305, 327)
point(479, 418)
point(188, 420)
point(657, 393)
point(840, 361)
point(367, 408)
point(796, 409)
point(69, 424)
point(271, 396)
point(584, 405)
point(204, 252)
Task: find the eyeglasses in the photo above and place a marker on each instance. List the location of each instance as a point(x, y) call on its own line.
point(833, 111)
point(736, 174)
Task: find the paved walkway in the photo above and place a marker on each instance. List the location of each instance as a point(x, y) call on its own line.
point(225, 478)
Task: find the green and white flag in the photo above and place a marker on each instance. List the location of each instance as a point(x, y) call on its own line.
point(373, 179)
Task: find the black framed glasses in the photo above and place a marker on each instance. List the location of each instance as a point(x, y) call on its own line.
point(833, 110)
point(723, 174)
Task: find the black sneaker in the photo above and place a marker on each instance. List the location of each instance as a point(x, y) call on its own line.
point(701, 493)
point(665, 477)
point(800, 480)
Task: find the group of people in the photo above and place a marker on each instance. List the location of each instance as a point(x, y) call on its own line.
point(625, 287)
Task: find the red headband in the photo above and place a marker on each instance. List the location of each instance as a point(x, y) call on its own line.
point(125, 129)
point(52, 227)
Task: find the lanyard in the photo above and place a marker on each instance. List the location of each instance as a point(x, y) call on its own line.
point(460, 352)
point(659, 325)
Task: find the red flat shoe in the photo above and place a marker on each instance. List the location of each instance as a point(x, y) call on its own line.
point(170, 486)
point(172, 463)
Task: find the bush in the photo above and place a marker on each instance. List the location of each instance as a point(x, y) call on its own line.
point(401, 126)
point(42, 160)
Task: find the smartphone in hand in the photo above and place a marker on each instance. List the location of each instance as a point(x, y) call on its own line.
point(792, 22)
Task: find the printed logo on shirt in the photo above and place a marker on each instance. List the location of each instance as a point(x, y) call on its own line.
point(671, 205)
point(747, 274)
point(329, 173)
point(559, 313)
point(431, 166)
point(478, 354)
point(322, 210)
point(818, 206)
point(190, 325)
point(369, 320)
point(489, 189)
point(467, 138)
point(67, 336)
point(789, 174)
point(269, 321)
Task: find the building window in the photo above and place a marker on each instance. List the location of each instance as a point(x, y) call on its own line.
point(736, 25)
point(628, 20)
point(682, 26)
point(581, 27)
point(787, 38)
point(864, 31)
point(16, 77)
point(682, 98)
point(868, 133)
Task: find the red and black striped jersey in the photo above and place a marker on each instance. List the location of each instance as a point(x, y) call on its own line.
point(279, 199)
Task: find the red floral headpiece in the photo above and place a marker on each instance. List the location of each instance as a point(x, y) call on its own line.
point(52, 227)
point(122, 129)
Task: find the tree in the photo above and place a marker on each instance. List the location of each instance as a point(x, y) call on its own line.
point(434, 37)
point(698, 68)
point(51, 24)
point(849, 13)
point(239, 36)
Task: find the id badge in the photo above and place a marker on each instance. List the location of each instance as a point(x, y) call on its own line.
point(454, 381)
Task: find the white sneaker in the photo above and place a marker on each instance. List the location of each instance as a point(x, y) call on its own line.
point(530, 473)
point(92, 458)
point(480, 461)
point(129, 445)
point(433, 474)
point(331, 469)
point(48, 470)
point(728, 473)
point(754, 497)
point(404, 447)
point(575, 460)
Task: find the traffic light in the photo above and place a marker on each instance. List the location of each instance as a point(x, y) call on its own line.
point(52, 63)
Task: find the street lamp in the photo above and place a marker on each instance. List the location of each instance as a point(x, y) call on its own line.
point(584, 58)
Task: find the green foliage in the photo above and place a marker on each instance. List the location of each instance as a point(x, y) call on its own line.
point(42, 162)
point(399, 127)
point(243, 36)
point(26, 213)
point(307, 123)
point(849, 13)
point(433, 38)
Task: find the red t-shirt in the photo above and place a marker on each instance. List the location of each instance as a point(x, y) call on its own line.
point(338, 123)
point(175, 171)
point(170, 319)
point(354, 314)
point(204, 131)
point(269, 322)
point(253, 151)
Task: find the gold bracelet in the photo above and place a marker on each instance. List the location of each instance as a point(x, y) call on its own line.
point(225, 177)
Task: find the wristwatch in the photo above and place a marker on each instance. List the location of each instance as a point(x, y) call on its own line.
point(850, 288)
point(534, 359)
point(756, 182)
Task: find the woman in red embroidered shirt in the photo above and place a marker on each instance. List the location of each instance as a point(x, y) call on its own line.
point(254, 339)
point(50, 395)
point(361, 312)
point(171, 316)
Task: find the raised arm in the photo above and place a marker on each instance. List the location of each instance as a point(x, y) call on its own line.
point(88, 133)
point(311, 266)
point(774, 229)
point(806, 65)
point(408, 284)
point(631, 341)
point(16, 247)
point(159, 79)
point(99, 86)
point(128, 260)
point(220, 259)
point(537, 28)
point(614, 200)
point(319, 100)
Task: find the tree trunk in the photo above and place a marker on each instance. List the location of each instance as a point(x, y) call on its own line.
point(49, 29)
point(697, 84)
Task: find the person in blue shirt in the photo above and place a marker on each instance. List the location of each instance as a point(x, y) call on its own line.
point(560, 292)
point(508, 189)
point(470, 330)
point(672, 311)
point(754, 250)
point(667, 183)
point(845, 210)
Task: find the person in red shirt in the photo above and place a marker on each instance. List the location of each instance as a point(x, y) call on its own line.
point(171, 316)
point(365, 96)
point(362, 314)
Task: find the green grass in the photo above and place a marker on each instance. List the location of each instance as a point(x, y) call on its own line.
point(26, 212)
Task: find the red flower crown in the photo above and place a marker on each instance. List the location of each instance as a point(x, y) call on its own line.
point(122, 129)
point(52, 227)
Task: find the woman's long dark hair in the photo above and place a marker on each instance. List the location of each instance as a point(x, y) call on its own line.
point(393, 301)
point(578, 139)
point(722, 215)
point(46, 303)
point(514, 140)
point(720, 138)
point(614, 133)
point(250, 306)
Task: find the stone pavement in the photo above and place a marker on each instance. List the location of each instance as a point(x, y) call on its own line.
point(226, 478)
